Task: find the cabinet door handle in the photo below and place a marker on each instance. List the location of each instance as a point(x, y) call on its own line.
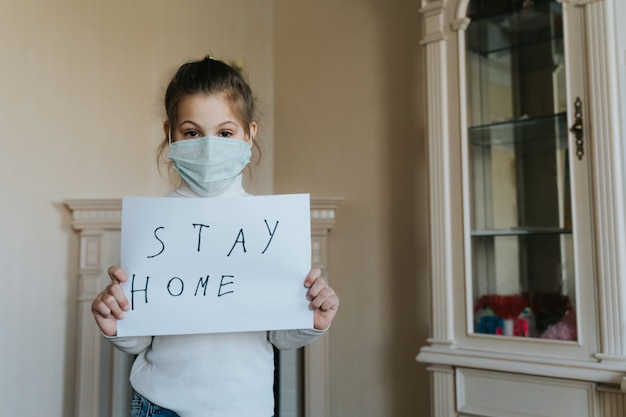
point(577, 128)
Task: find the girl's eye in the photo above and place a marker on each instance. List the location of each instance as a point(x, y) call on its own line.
point(192, 134)
point(225, 134)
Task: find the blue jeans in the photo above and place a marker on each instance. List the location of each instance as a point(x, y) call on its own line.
point(141, 407)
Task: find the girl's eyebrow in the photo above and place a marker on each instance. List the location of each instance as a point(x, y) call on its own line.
point(227, 122)
point(222, 124)
point(188, 121)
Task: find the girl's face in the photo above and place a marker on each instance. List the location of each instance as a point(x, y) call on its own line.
point(208, 115)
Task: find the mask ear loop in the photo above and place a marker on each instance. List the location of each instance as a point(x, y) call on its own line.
point(169, 136)
point(250, 141)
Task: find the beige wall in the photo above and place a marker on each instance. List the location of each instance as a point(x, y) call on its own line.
point(339, 82)
point(348, 123)
point(81, 86)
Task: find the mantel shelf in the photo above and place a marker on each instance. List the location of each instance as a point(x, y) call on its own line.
point(106, 213)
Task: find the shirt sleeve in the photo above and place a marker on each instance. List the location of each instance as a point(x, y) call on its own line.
point(293, 339)
point(132, 345)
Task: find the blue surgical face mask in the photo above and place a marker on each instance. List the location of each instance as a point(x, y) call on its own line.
point(210, 164)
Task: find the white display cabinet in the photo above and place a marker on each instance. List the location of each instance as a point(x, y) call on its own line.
point(528, 247)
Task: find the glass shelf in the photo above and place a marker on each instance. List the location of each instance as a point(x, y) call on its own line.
point(512, 48)
point(536, 129)
point(520, 232)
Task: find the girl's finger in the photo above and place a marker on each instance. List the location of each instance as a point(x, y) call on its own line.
point(325, 297)
point(118, 294)
point(314, 274)
point(316, 287)
point(117, 274)
point(330, 303)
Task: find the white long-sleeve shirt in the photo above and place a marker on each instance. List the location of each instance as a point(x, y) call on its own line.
point(204, 375)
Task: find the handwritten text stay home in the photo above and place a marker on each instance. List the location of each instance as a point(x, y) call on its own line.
point(215, 265)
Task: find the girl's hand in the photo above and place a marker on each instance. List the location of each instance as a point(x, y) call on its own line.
point(110, 304)
point(324, 301)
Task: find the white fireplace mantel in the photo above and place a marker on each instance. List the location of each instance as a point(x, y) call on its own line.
point(102, 388)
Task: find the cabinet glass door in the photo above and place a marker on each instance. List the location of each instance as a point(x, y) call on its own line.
point(522, 257)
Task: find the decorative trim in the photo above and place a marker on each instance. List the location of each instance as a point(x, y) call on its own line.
point(316, 364)
point(609, 202)
point(323, 214)
point(612, 401)
point(461, 10)
point(433, 22)
point(475, 394)
point(602, 372)
point(100, 214)
point(467, 282)
point(93, 218)
point(439, 173)
point(460, 24)
point(442, 382)
point(432, 6)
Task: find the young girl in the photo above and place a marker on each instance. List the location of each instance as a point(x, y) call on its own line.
point(209, 133)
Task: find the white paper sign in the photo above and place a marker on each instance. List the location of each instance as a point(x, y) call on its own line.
point(213, 265)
